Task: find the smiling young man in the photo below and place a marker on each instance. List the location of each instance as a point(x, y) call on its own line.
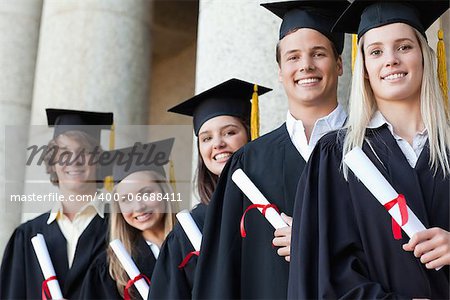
point(308, 55)
point(75, 229)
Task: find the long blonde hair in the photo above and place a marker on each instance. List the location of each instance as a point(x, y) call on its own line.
point(128, 235)
point(362, 106)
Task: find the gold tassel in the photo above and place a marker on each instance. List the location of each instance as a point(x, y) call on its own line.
point(172, 179)
point(354, 49)
point(109, 180)
point(442, 69)
point(254, 119)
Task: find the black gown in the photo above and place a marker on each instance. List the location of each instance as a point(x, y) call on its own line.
point(98, 283)
point(21, 276)
point(168, 281)
point(234, 267)
point(342, 241)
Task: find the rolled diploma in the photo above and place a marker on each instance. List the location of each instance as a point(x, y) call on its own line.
point(41, 250)
point(374, 181)
point(256, 197)
point(130, 267)
point(190, 228)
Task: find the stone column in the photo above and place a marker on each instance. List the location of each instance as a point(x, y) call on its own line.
point(94, 55)
point(19, 24)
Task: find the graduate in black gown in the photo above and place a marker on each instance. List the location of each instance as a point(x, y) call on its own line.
point(397, 116)
point(221, 117)
point(74, 231)
point(308, 55)
point(139, 220)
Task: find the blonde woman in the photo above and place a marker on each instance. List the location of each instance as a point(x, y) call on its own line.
point(141, 219)
point(397, 117)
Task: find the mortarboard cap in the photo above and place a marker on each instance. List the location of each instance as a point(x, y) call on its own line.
point(140, 157)
point(319, 15)
point(230, 98)
point(89, 122)
point(361, 16)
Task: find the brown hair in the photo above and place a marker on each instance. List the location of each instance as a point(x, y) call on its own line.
point(278, 51)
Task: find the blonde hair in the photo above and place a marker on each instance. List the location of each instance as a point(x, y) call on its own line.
point(362, 106)
point(128, 235)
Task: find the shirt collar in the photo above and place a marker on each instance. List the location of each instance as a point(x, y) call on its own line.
point(96, 204)
point(379, 120)
point(333, 120)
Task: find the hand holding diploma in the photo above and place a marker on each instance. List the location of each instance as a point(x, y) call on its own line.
point(283, 238)
point(51, 284)
point(432, 246)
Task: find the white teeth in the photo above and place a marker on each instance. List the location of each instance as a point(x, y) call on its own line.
point(74, 172)
point(394, 76)
point(308, 80)
point(143, 217)
point(222, 156)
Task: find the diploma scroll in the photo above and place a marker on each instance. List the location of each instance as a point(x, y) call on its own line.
point(256, 197)
point(130, 267)
point(41, 250)
point(380, 188)
point(190, 228)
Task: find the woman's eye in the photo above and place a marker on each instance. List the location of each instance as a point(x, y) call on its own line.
point(375, 52)
point(232, 132)
point(404, 47)
point(206, 139)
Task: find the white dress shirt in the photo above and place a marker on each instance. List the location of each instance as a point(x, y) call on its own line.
point(72, 230)
point(335, 120)
point(155, 249)
point(411, 152)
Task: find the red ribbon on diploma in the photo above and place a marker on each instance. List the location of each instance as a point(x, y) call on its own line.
point(187, 258)
point(264, 209)
point(45, 289)
point(126, 294)
point(401, 201)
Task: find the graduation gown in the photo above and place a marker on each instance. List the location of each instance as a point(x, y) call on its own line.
point(234, 267)
point(168, 281)
point(21, 275)
point(342, 241)
point(98, 283)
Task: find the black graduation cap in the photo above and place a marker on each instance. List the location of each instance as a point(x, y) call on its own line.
point(140, 157)
point(319, 15)
point(230, 98)
point(363, 15)
point(89, 122)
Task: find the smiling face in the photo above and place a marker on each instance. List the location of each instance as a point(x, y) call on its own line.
point(219, 138)
point(135, 194)
point(393, 62)
point(73, 166)
point(309, 68)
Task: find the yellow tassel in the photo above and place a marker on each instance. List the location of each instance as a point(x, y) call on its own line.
point(254, 119)
point(354, 49)
point(108, 183)
point(109, 180)
point(442, 69)
point(112, 137)
point(172, 179)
